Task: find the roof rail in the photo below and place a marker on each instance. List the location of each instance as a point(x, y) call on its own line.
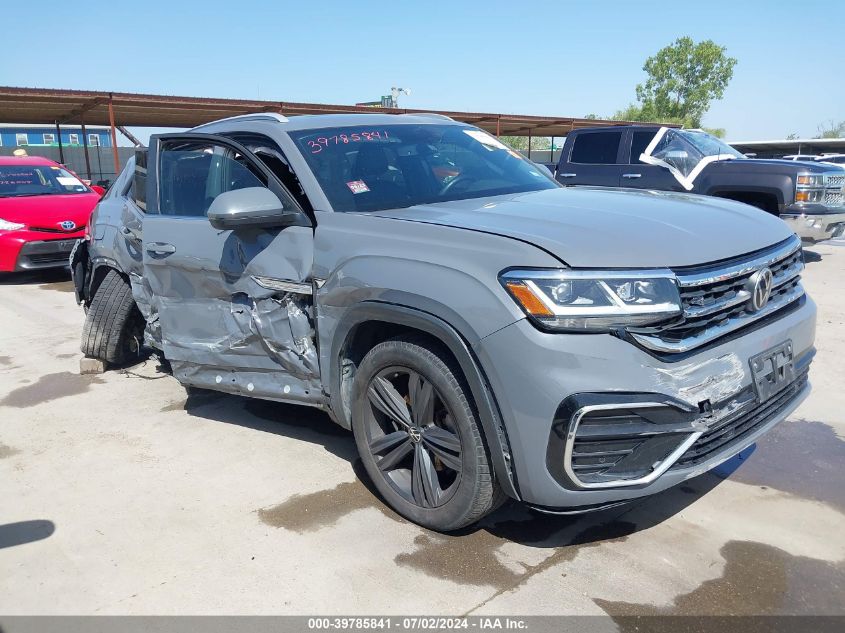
point(254, 116)
point(430, 115)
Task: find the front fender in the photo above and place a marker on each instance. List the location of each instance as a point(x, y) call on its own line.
point(779, 186)
point(488, 412)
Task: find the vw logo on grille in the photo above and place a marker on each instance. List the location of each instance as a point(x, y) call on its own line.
point(67, 225)
point(760, 287)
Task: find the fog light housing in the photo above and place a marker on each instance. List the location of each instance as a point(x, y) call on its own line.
point(606, 440)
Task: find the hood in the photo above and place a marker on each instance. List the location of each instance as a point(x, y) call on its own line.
point(48, 211)
point(589, 227)
point(776, 165)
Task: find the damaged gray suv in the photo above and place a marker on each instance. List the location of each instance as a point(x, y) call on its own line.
point(483, 332)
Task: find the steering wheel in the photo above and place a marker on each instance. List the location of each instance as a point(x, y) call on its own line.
point(449, 185)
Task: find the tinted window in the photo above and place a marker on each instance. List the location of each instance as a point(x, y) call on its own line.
point(596, 148)
point(138, 192)
point(193, 174)
point(639, 141)
point(397, 166)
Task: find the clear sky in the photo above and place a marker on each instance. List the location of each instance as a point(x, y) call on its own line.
point(565, 58)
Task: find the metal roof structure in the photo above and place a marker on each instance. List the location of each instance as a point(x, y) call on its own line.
point(783, 147)
point(118, 110)
point(44, 105)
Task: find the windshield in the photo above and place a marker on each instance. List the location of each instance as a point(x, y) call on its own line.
point(709, 145)
point(17, 181)
point(371, 168)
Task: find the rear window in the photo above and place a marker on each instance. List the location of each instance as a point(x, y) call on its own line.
point(596, 148)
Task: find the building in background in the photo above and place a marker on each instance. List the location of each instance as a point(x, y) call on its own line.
point(22, 135)
point(94, 162)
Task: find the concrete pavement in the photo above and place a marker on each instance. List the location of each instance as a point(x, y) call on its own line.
point(122, 494)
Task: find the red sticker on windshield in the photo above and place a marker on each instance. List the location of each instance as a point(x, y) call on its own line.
point(358, 186)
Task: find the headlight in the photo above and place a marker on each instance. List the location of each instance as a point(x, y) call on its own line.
point(10, 226)
point(811, 180)
point(594, 300)
point(814, 195)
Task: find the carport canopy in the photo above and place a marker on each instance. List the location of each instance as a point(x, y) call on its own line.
point(44, 105)
point(122, 109)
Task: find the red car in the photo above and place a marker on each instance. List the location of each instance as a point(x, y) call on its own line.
point(43, 211)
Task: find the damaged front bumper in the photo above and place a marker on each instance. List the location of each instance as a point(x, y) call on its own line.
point(815, 224)
point(594, 420)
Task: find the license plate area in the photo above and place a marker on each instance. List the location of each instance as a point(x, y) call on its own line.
point(772, 370)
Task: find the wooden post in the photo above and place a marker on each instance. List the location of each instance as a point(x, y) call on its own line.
point(113, 139)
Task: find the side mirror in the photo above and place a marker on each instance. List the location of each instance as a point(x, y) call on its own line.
point(254, 207)
point(100, 191)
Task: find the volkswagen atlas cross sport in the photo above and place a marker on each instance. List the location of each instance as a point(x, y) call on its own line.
point(43, 211)
point(484, 332)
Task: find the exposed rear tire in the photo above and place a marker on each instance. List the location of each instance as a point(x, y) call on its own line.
point(419, 438)
point(113, 324)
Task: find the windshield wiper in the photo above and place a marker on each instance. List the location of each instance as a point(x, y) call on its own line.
point(22, 195)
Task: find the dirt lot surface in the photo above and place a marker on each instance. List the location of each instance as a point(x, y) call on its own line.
point(120, 495)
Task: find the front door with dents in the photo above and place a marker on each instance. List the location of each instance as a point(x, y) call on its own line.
point(234, 306)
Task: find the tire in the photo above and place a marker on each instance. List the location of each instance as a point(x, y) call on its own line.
point(418, 436)
point(113, 324)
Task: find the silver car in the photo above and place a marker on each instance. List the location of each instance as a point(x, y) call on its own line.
point(484, 332)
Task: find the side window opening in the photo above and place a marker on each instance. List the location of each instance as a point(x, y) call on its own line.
point(639, 142)
point(275, 160)
point(195, 173)
point(139, 180)
point(277, 164)
point(596, 148)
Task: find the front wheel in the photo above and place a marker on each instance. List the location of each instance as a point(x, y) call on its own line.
point(418, 436)
point(113, 326)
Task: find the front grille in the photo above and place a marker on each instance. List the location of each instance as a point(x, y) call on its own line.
point(49, 258)
point(733, 429)
point(834, 190)
point(716, 299)
point(833, 198)
point(45, 229)
point(835, 180)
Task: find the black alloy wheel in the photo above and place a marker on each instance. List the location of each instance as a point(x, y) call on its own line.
point(418, 436)
point(411, 434)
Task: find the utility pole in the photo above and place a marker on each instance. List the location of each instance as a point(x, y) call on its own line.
point(394, 95)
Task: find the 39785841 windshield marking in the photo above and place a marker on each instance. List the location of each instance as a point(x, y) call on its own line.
point(355, 137)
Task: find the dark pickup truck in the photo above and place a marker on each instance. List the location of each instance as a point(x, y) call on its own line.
point(810, 197)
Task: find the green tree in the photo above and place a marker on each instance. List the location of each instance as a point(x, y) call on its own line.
point(684, 78)
point(646, 112)
point(521, 142)
point(831, 129)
